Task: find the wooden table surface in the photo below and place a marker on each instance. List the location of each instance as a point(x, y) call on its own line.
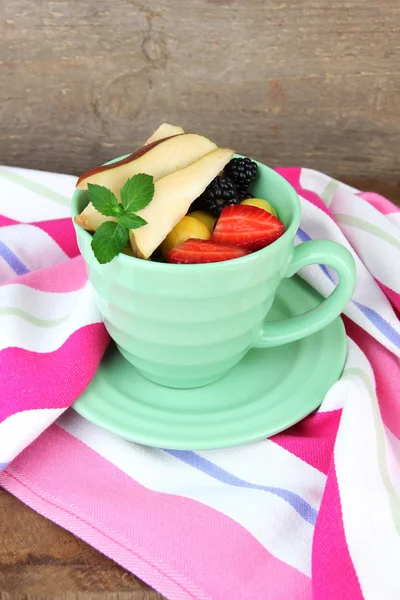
point(39, 560)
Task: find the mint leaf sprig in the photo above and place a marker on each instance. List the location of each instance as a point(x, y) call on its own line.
point(112, 236)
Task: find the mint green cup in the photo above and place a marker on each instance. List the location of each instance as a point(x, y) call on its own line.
point(186, 326)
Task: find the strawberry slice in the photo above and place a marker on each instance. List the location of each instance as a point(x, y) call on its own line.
point(195, 251)
point(247, 227)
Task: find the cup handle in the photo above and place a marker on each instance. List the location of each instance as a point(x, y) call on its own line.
point(315, 252)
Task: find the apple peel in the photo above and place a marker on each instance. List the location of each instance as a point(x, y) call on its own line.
point(158, 159)
point(173, 195)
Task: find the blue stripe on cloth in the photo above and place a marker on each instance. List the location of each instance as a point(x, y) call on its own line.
point(304, 509)
point(303, 235)
point(375, 318)
point(380, 323)
point(3, 466)
point(12, 260)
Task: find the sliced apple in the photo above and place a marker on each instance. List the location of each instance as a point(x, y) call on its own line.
point(158, 159)
point(90, 218)
point(172, 198)
point(165, 130)
point(99, 173)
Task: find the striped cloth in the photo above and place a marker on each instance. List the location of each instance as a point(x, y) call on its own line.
point(313, 512)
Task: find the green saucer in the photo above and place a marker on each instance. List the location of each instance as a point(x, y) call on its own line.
point(268, 391)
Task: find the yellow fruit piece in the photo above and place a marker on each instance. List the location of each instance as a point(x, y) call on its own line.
point(204, 217)
point(260, 203)
point(187, 228)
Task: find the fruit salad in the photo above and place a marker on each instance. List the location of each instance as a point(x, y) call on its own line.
point(179, 199)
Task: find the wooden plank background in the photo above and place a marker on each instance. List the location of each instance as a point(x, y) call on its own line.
point(298, 82)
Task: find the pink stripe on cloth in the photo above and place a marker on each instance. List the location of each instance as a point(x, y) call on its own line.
point(61, 230)
point(124, 556)
point(292, 175)
point(386, 369)
point(67, 276)
point(333, 573)
point(393, 296)
point(5, 221)
point(142, 529)
point(63, 233)
point(312, 439)
point(33, 379)
point(379, 202)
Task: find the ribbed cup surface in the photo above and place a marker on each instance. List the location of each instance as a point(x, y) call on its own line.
point(187, 325)
point(184, 326)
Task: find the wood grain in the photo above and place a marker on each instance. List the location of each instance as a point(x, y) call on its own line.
point(297, 82)
point(39, 560)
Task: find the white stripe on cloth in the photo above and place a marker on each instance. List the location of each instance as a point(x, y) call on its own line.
point(394, 218)
point(60, 183)
point(20, 429)
point(271, 520)
point(267, 464)
point(318, 225)
point(35, 248)
point(19, 332)
point(22, 202)
point(40, 304)
point(317, 182)
point(6, 271)
point(370, 530)
point(314, 181)
point(393, 456)
point(370, 246)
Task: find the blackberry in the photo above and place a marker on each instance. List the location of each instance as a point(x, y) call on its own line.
point(219, 193)
point(242, 171)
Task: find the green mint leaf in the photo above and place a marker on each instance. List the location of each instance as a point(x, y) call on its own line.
point(103, 200)
point(108, 241)
point(137, 192)
point(131, 221)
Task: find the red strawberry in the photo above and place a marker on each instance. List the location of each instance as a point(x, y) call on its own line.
point(195, 251)
point(247, 227)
